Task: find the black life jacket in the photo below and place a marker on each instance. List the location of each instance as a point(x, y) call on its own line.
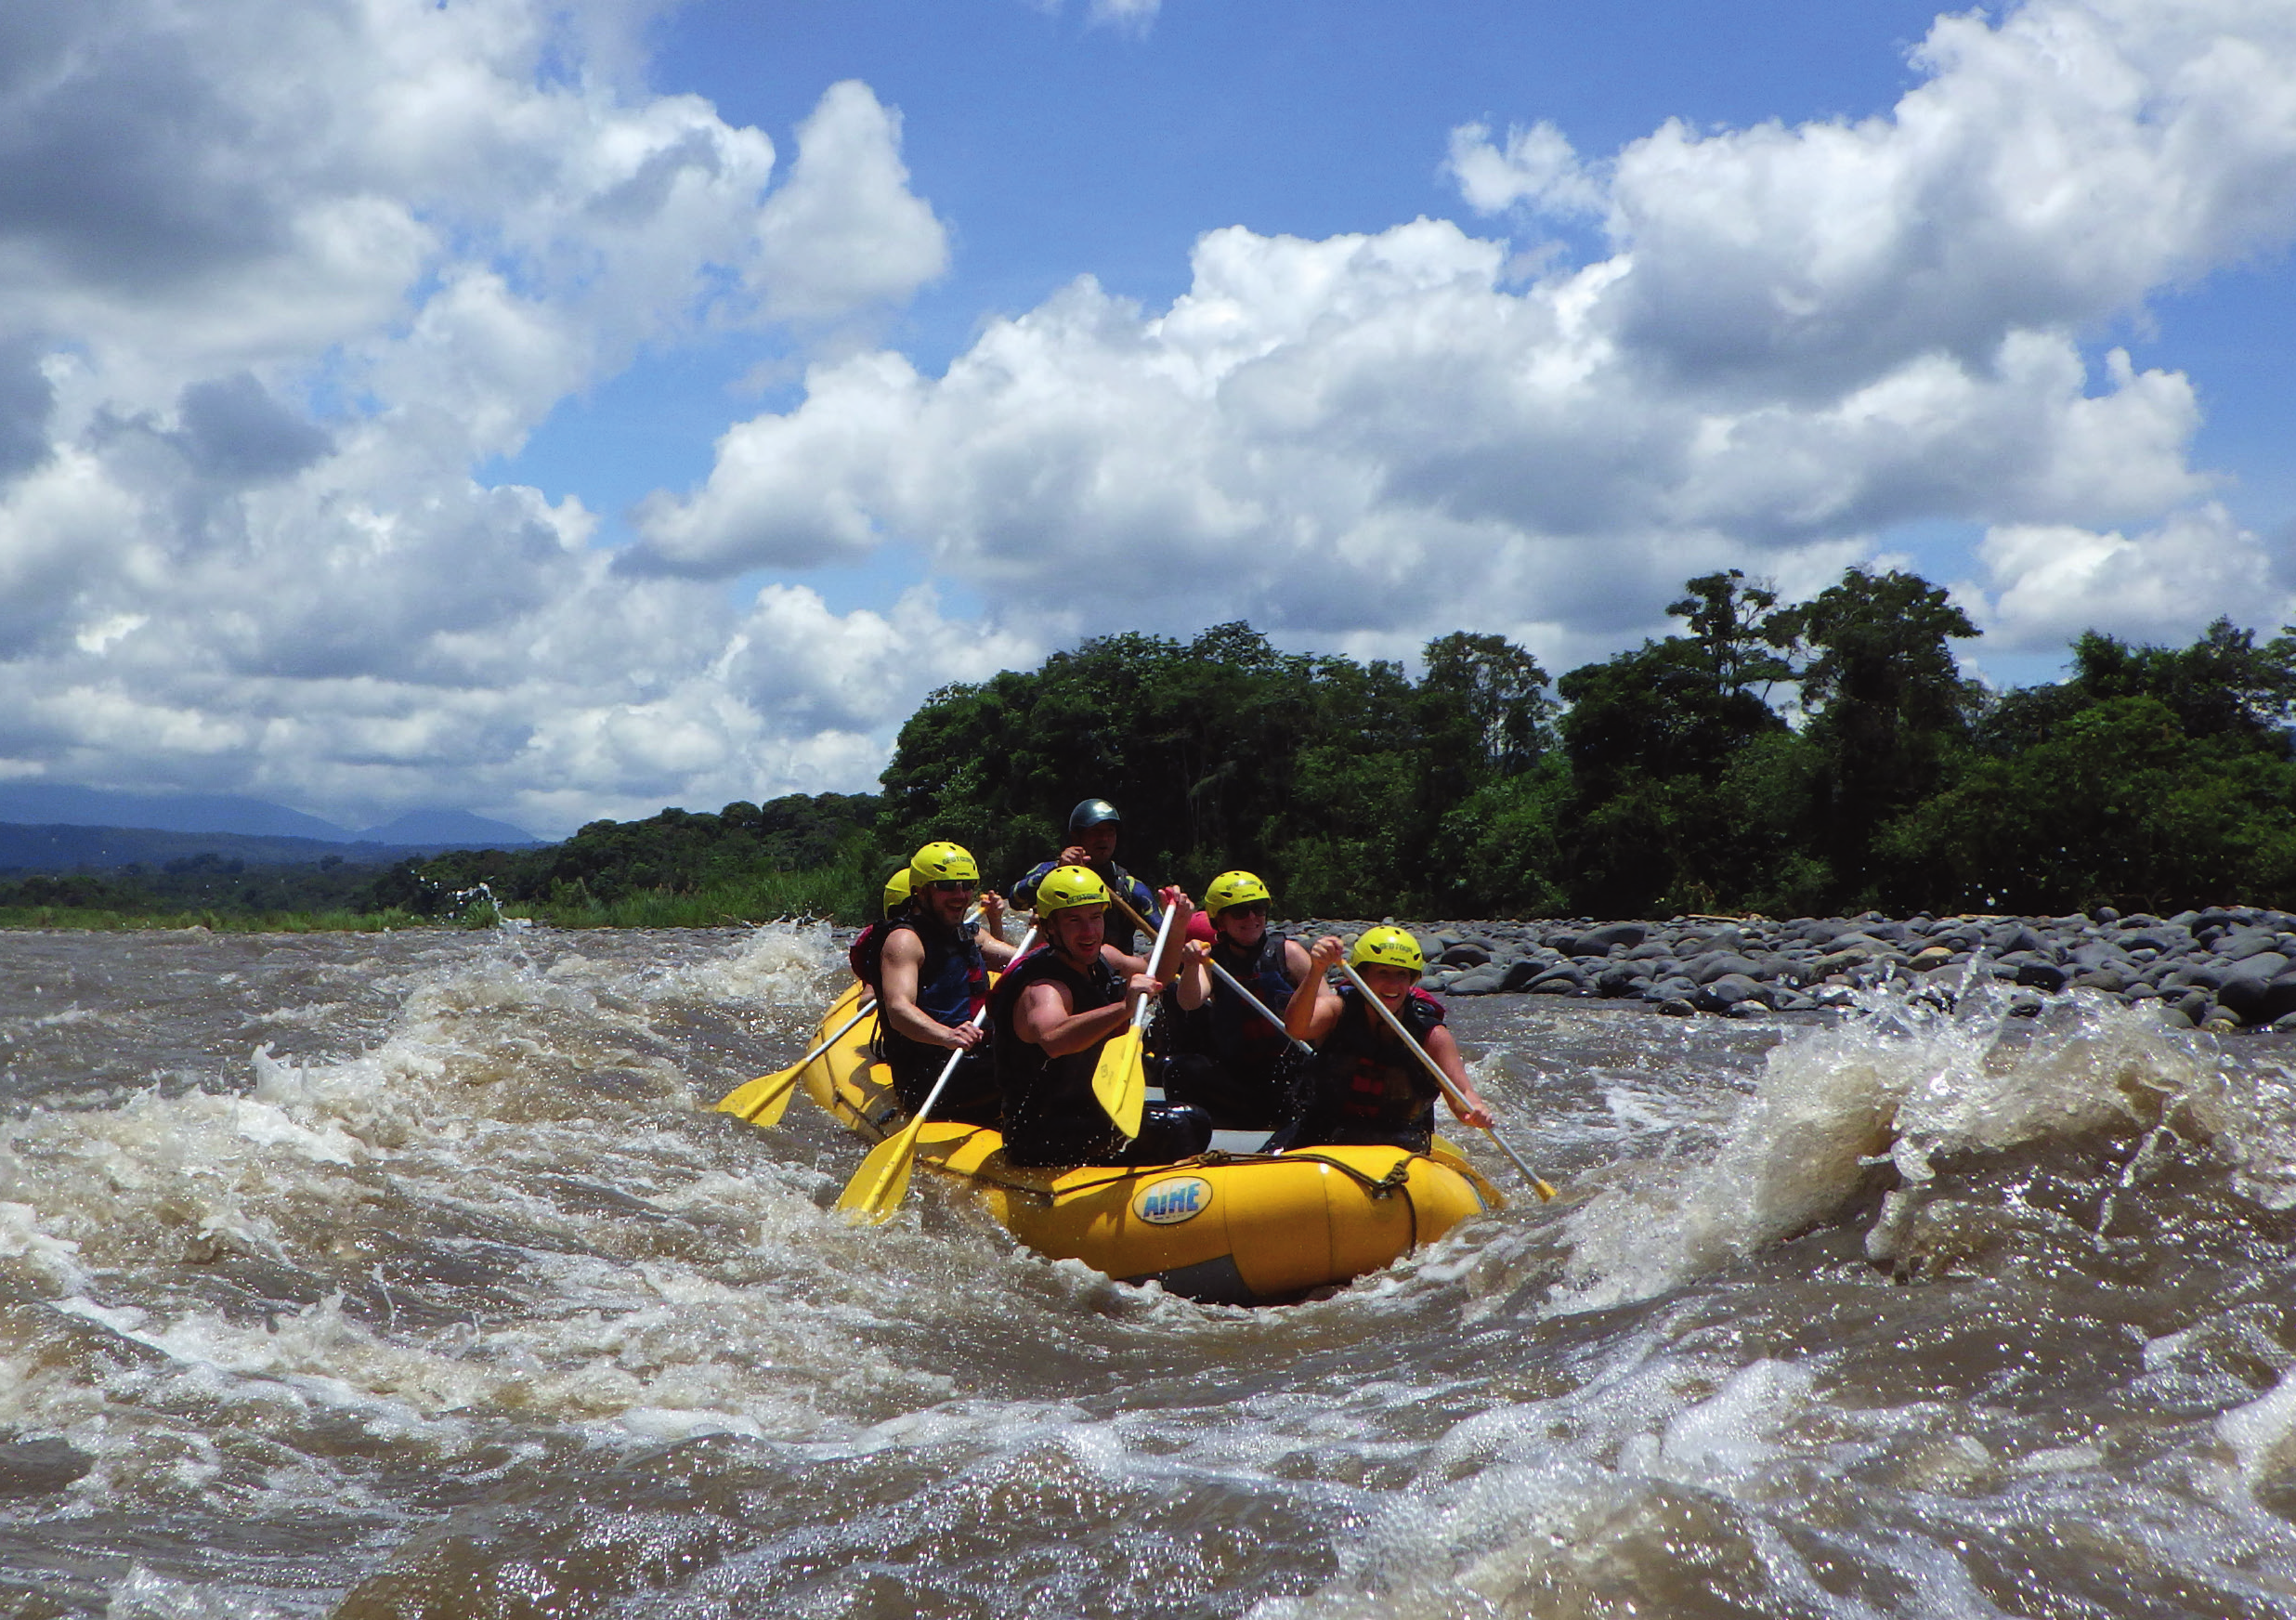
point(1050, 1114)
point(1366, 1081)
point(1239, 1037)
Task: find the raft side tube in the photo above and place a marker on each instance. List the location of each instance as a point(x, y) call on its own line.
point(1225, 1228)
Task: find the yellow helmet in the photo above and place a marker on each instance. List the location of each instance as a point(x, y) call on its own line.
point(897, 890)
point(1064, 887)
point(1234, 889)
point(1388, 947)
point(943, 862)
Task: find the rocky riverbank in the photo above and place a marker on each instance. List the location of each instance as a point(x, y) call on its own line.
point(2225, 968)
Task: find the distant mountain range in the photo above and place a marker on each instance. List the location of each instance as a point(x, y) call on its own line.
point(48, 827)
point(51, 804)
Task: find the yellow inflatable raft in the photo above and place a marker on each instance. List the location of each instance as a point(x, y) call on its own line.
point(1227, 1228)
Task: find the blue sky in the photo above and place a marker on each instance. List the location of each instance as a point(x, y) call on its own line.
point(1056, 146)
point(560, 411)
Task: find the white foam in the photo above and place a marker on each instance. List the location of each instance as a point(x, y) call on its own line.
point(2263, 1433)
point(1902, 1080)
point(654, 1284)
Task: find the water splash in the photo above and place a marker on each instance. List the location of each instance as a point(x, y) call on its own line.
point(1906, 1080)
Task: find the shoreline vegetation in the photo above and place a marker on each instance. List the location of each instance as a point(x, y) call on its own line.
point(1819, 760)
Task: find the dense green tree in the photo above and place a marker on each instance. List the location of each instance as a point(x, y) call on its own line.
point(2222, 686)
point(1657, 711)
point(676, 851)
point(2118, 806)
point(1189, 741)
point(1887, 705)
point(1485, 701)
point(2150, 776)
point(1650, 735)
point(1732, 623)
point(1328, 777)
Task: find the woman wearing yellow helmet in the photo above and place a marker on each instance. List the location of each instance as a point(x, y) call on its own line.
point(1234, 1063)
point(932, 977)
point(1368, 1088)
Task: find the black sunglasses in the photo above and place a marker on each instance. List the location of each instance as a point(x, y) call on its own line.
point(952, 887)
point(1247, 909)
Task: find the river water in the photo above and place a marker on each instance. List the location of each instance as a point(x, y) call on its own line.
point(411, 1275)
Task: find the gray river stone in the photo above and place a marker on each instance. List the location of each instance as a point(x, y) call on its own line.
point(1528, 972)
point(1730, 989)
point(2223, 967)
point(1600, 941)
point(1723, 963)
point(2041, 975)
point(2246, 943)
point(2261, 990)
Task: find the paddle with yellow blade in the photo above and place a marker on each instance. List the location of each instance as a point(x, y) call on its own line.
point(763, 1101)
point(1229, 979)
point(1442, 1079)
point(1119, 1083)
point(882, 1182)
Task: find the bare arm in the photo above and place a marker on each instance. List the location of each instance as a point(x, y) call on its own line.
point(992, 940)
point(1047, 1018)
point(896, 984)
point(1445, 1051)
point(1195, 985)
point(1313, 1007)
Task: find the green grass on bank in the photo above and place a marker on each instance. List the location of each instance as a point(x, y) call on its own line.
point(768, 897)
point(100, 920)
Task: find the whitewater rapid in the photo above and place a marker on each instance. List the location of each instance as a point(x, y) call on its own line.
point(413, 1276)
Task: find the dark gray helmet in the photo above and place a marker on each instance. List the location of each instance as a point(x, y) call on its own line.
point(1091, 813)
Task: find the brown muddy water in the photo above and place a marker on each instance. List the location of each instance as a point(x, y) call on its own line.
point(412, 1276)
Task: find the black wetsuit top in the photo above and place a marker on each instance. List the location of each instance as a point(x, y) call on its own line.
point(1050, 1114)
point(1369, 1089)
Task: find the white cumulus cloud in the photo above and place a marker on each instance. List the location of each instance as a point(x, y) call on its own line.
point(274, 280)
point(1800, 337)
point(1536, 167)
point(279, 281)
point(2046, 583)
point(845, 231)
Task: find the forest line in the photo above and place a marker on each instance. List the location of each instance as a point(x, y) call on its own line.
point(1667, 779)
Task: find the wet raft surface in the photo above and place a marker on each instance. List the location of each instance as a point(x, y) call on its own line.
point(412, 1276)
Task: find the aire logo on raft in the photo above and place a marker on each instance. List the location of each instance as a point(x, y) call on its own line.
point(1173, 1200)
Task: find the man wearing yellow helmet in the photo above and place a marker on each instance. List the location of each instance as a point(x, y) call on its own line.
point(1093, 828)
point(1054, 1010)
point(1368, 1088)
point(932, 977)
point(1235, 1064)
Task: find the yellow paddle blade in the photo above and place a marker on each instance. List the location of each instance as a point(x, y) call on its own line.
point(1120, 1083)
point(763, 1101)
point(878, 1187)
